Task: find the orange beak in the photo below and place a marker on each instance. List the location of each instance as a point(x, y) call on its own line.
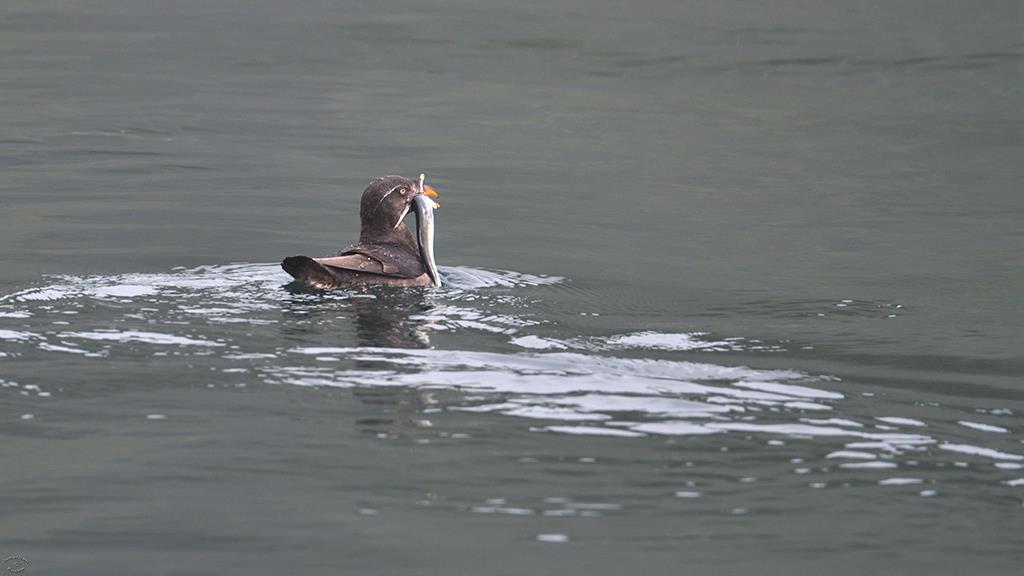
point(431, 193)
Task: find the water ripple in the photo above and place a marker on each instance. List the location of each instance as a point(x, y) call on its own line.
point(482, 341)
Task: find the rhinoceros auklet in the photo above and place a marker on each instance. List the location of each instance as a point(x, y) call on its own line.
point(387, 253)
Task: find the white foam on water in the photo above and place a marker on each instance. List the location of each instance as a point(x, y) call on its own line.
point(207, 279)
point(444, 316)
point(675, 428)
point(835, 421)
point(141, 337)
point(537, 343)
point(16, 335)
point(593, 431)
point(212, 311)
point(474, 278)
point(900, 481)
point(249, 356)
point(548, 413)
point(1009, 465)
point(852, 454)
point(790, 390)
point(983, 427)
point(980, 451)
point(68, 349)
point(662, 341)
point(806, 406)
point(654, 341)
point(899, 421)
point(646, 396)
point(872, 465)
point(124, 291)
point(547, 374)
point(594, 505)
point(653, 405)
point(812, 431)
point(669, 341)
point(562, 363)
point(875, 446)
point(510, 510)
point(44, 294)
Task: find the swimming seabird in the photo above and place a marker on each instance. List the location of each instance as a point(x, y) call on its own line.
point(387, 252)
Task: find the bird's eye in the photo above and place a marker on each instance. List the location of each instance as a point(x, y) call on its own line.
point(403, 191)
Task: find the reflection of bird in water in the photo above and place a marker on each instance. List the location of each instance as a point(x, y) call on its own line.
point(387, 253)
point(389, 319)
point(383, 317)
point(392, 319)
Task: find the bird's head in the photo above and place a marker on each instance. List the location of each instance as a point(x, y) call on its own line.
point(382, 210)
point(387, 200)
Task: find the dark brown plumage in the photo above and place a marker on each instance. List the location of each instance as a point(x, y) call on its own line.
point(387, 253)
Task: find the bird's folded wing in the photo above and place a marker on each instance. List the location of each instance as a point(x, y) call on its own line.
point(357, 263)
point(389, 260)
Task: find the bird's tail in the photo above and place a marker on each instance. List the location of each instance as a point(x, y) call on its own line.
point(308, 272)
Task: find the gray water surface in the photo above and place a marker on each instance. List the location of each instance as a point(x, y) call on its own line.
point(730, 288)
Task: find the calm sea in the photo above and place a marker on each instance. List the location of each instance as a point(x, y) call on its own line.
point(731, 288)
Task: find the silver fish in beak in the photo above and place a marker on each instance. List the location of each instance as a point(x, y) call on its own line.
point(424, 207)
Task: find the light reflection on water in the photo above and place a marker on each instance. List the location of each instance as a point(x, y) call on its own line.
point(627, 387)
point(787, 340)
